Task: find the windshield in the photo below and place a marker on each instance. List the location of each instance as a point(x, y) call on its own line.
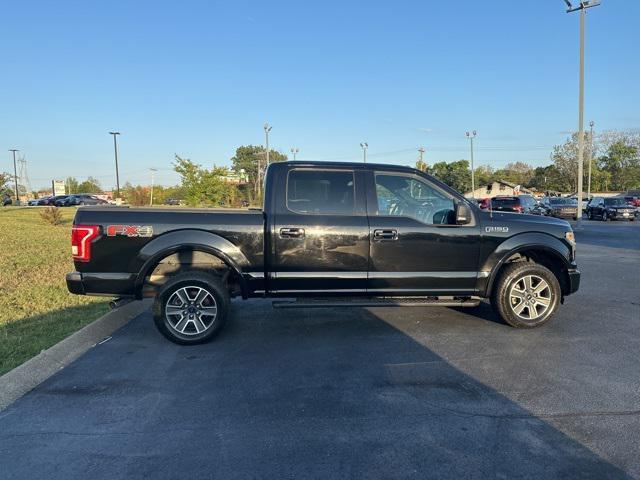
point(613, 202)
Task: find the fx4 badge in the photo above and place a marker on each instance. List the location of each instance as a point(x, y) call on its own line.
point(130, 230)
point(496, 229)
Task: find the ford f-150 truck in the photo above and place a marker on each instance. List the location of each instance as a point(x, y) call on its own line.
point(329, 234)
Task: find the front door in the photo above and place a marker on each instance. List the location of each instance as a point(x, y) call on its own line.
point(415, 246)
point(321, 233)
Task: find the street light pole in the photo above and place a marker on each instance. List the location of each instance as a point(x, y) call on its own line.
point(471, 135)
point(364, 146)
point(153, 171)
point(584, 4)
point(267, 129)
point(15, 173)
point(591, 124)
point(115, 150)
point(294, 152)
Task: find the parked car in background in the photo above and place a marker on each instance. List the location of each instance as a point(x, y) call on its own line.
point(33, 202)
point(483, 203)
point(559, 207)
point(612, 208)
point(173, 201)
point(6, 200)
point(633, 201)
point(84, 199)
point(44, 200)
point(515, 204)
point(53, 201)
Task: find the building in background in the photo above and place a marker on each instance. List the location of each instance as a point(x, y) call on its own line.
point(498, 188)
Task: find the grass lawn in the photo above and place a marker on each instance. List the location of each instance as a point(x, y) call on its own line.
point(36, 310)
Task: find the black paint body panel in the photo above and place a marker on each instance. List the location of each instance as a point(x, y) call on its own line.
point(327, 254)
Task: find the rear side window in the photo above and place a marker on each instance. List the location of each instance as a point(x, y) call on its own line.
point(328, 192)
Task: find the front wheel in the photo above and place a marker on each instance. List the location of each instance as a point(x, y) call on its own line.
point(191, 308)
point(526, 295)
point(605, 216)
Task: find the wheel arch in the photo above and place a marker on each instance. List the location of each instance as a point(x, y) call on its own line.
point(550, 252)
point(189, 241)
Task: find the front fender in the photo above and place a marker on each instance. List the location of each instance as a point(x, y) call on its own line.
point(521, 242)
point(189, 239)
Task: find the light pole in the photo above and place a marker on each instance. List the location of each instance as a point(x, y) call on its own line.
point(364, 146)
point(267, 129)
point(591, 124)
point(15, 173)
point(153, 171)
point(294, 152)
point(584, 4)
point(115, 150)
point(471, 135)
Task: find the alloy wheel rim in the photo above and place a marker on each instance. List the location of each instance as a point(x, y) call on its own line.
point(530, 297)
point(191, 310)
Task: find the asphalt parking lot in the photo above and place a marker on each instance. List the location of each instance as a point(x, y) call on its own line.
point(356, 393)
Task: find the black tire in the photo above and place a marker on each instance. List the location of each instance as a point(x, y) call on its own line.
point(605, 217)
point(510, 277)
point(191, 282)
point(590, 215)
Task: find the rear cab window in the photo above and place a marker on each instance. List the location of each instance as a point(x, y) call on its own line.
point(321, 192)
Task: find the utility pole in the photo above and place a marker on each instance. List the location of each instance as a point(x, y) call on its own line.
point(115, 150)
point(153, 171)
point(364, 146)
point(15, 173)
point(584, 4)
point(471, 135)
point(295, 151)
point(591, 124)
point(421, 151)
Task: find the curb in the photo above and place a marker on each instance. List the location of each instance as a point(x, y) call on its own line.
point(24, 378)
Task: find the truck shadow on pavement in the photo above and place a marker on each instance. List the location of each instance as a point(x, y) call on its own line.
point(314, 393)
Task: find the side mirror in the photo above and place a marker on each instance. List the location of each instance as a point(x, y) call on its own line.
point(463, 214)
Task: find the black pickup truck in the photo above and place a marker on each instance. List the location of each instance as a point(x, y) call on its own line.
point(329, 234)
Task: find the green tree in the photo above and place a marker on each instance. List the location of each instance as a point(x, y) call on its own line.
point(565, 159)
point(135, 195)
point(90, 185)
point(519, 173)
point(202, 186)
point(248, 160)
point(5, 179)
point(422, 166)
point(484, 174)
point(72, 185)
point(622, 162)
point(455, 174)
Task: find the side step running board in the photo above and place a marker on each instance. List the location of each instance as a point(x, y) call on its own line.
point(330, 302)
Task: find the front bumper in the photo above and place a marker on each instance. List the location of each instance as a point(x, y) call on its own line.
point(106, 284)
point(574, 281)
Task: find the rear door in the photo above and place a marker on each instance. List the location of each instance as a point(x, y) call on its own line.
point(416, 247)
point(321, 233)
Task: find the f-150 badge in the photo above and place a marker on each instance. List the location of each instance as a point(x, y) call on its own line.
point(496, 229)
point(130, 230)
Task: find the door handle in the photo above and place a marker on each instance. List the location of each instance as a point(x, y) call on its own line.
point(384, 234)
point(292, 232)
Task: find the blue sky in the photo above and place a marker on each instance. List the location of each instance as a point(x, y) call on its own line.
point(201, 78)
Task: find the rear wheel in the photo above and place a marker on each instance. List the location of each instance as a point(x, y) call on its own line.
point(526, 295)
point(605, 216)
point(590, 215)
point(191, 308)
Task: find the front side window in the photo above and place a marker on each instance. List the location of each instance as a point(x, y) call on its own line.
point(404, 195)
point(321, 192)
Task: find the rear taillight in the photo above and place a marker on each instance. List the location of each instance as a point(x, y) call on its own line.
point(520, 208)
point(81, 238)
